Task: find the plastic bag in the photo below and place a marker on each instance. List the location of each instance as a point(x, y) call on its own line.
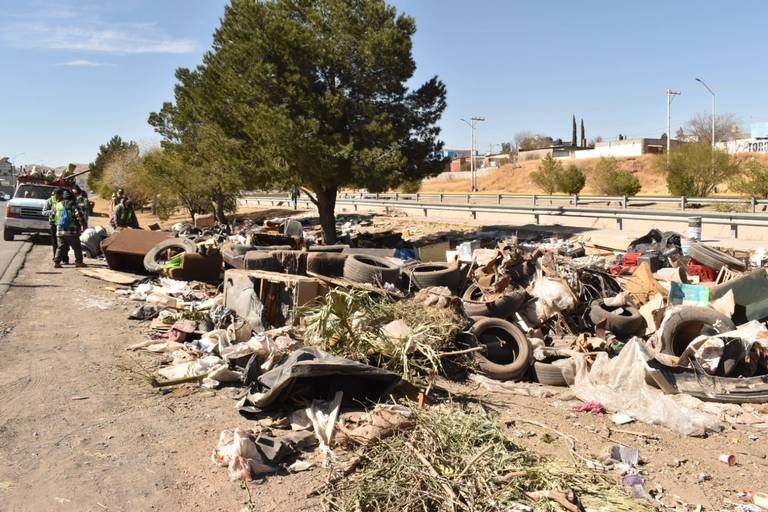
point(619, 384)
point(554, 296)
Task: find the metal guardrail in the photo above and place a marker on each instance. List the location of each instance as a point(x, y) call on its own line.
point(734, 220)
point(535, 199)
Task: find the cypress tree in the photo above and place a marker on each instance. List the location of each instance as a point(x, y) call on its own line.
point(573, 131)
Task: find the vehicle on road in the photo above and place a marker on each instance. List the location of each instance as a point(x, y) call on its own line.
point(24, 212)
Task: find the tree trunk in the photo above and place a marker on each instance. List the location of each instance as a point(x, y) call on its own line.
point(326, 208)
point(218, 208)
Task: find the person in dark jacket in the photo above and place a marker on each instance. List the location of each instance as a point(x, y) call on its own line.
point(69, 224)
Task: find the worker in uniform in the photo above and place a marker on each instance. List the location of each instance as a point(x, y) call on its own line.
point(69, 224)
point(50, 211)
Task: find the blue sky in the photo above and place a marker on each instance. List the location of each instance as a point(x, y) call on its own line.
point(78, 72)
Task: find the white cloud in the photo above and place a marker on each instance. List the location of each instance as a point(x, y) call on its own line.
point(83, 63)
point(64, 27)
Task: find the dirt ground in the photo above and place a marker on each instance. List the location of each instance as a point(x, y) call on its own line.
point(82, 430)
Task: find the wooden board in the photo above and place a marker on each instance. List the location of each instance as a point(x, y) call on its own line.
point(111, 276)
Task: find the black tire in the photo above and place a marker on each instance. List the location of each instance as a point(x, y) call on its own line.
point(626, 323)
point(713, 258)
point(8, 235)
point(151, 262)
point(261, 260)
point(684, 325)
point(328, 248)
point(473, 292)
point(503, 307)
point(509, 352)
point(425, 275)
point(362, 268)
point(330, 264)
point(548, 374)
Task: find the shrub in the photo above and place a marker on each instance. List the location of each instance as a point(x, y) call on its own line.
point(571, 180)
point(548, 175)
point(410, 187)
point(610, 180)
point(752, 180)
point(694, 170)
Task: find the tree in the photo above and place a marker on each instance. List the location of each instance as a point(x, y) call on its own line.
point(506, 147)
point(699, 128)
point(529, 140)
point(571, 180)
point(175, 182)
point(573, 131)
point(106, 152)
point(547, 177)
point(583, 135)
point(694, 170)
point(752, 180)
point(313, 94)
point(610, 180)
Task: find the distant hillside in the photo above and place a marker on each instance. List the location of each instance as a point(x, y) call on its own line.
point(515, 178)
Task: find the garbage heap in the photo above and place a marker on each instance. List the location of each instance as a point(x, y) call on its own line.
point(338, 352)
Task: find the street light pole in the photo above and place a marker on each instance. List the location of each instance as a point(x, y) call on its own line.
point(670, 96)
point(713, 109)
point(472, 171)
point(713, 121)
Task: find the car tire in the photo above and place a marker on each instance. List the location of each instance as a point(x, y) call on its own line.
point(329, 264)
point(503, 307)
point(685, 324)
point(628, 323)
point(362, 268)
point(8, 235)
point(549, 374)
point(508, 354)
point(151, 264)
point(425, 275)
point(714, 258)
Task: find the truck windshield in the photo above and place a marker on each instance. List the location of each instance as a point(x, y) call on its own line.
point(34, 191)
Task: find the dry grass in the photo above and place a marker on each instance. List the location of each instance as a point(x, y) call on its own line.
point(350, 323)
point(458, 459)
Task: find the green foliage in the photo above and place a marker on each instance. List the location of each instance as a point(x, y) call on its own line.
point(506, 147)
point(695, 170)
point(752, 180)
point(308, 93)
point(610, 180)
point(548, 174)
point(571, 180)
point(410, 186)
point(115, 146)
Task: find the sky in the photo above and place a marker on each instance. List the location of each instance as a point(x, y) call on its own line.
point(77, 72)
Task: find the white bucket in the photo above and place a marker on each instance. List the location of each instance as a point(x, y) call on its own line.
point(694, 228)
point(685, 245)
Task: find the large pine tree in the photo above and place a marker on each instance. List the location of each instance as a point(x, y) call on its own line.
point(313, 93)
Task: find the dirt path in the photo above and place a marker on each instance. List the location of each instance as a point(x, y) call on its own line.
point(80, 433)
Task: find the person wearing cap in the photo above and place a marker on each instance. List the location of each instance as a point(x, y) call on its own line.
point(69, 223)
point(117, 198)
point(50, 211)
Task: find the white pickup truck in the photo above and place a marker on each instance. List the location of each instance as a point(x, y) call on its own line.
point(24, 212)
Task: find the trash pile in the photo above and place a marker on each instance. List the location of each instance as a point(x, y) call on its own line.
point(338, 352)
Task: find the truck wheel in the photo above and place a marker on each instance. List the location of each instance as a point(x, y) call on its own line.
point(8, 235)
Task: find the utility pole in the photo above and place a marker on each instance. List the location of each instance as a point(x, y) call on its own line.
point(713, 120)
point(670, 96)
point(473, 173)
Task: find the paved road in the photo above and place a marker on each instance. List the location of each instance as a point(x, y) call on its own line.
point(8, 250)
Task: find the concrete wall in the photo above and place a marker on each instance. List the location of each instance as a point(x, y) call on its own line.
point(533, 154)
point(745, 146)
